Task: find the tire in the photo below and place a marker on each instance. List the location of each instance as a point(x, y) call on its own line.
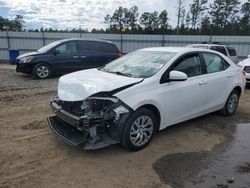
point(146, 120)
point(41, 71)
point(231, 104)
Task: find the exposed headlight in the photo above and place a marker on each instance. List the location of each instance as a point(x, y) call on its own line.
point(118, 111)
point(26, 59)
point(121, 110)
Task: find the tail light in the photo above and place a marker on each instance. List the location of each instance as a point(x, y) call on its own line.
point(247, 69)
point(243, 72)
point(120, 54)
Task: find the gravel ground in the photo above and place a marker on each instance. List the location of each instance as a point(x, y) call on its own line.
point(32, 157)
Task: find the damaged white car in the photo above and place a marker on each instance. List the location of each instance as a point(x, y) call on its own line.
point(128, 100)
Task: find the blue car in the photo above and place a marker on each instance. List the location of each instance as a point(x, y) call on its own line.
point(65, 56)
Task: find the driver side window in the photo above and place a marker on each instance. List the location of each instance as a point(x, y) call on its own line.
point(67, 48)
point(189, 64)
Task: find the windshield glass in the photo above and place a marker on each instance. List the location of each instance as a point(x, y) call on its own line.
point(48, 47)
point(140, 64)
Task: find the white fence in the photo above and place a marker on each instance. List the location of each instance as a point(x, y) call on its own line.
point(29, 41)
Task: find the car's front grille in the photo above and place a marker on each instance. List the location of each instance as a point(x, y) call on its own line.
point(247, 69)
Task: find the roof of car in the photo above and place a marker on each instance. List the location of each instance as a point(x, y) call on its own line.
point(208, 45)
point(174, 49)
point(85, 39)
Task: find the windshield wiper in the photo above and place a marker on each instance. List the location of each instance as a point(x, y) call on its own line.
point(119, 73)
point(123, 74)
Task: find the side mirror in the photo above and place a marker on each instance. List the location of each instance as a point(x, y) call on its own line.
point(177, 76)
point(248, 56)
point(56, 52)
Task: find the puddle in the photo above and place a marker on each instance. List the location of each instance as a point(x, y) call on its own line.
point(227, 165)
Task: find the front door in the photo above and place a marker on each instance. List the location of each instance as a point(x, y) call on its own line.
point(186, 99)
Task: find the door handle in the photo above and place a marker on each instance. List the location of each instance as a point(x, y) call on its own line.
point(203, 83)
point(82, 56)
point(230, 76)
point(75, 56)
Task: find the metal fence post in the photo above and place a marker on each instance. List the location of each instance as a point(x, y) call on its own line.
point(121, 42)
point(163, 40)
point(43, 38)
point(8, 39)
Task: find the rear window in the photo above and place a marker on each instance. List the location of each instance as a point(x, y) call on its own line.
point(108, 48)
point(220, 49)
point(89, 46)
point(231, 51)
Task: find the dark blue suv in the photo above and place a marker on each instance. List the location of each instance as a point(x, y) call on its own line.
point(65, 56)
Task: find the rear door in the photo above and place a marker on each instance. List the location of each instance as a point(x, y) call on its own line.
point(232, 54)
point(95, 54)
point(219, 79)
point(67, 60)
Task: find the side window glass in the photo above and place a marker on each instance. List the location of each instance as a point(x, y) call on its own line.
point(67, 48)
point(108, 48)
point(231, 51)
point(214, 63)
point(88, 46)
point(190, 65)
point(220, 49)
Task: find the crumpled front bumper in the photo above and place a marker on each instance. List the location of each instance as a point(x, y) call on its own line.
point(66, 132)
point(23, 68)
point(76, 130)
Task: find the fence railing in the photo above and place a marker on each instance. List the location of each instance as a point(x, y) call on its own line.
point(29, 41)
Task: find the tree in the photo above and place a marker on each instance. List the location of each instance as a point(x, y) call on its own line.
point(133, 17)
point(224, 12)
point(107, 20)
point(119, 18)
point(206, 25)
point(149, 21)
point(245, 20)
point(180, 11)
point(163, 20)
point(197, 8)
point(18, 23)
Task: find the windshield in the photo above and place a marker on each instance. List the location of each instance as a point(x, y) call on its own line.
point(139, 64)
point(48, 47)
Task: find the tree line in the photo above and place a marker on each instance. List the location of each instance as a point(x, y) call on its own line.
point(220, 17)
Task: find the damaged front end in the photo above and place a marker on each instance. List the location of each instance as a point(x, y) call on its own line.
point(96, 121)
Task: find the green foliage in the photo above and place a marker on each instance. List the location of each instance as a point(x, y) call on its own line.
point(17, 24)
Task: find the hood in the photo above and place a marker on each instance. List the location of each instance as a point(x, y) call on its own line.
point(82, 84)
point(245, 62)
point(26, 55)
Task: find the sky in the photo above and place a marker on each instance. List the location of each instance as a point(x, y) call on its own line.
point(87, 14)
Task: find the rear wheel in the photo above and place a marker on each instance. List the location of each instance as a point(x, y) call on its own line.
point(231, 104)
point(139, 130)
point(41, 71)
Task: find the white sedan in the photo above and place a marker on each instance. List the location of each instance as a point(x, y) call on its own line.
point(129, 99)
point(245, 64)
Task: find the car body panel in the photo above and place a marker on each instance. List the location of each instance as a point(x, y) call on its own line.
point(176, 101)
point(82, 84)
point(246, 63)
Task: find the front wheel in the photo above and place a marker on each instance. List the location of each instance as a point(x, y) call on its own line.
point(41, 71)
point(139, 130)
point(231, 104)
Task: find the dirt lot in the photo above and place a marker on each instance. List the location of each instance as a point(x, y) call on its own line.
point(211, 151)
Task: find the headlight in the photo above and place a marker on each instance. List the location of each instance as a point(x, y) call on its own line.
point(26, 59)
point(121, 110)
